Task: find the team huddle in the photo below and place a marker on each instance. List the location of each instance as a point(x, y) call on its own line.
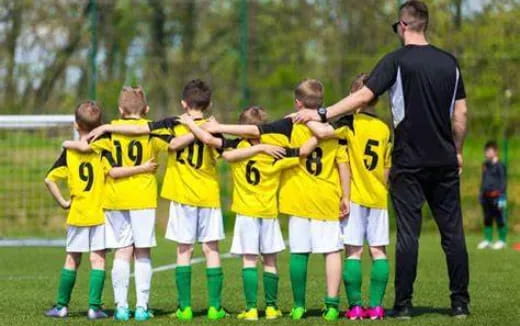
point(329, 178)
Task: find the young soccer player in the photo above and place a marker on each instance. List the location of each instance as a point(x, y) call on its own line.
point(85, 175)
point(191, 185)
point(492, 197)
point(311, 195)
point(256, 169)
point(130, 202)
point(369, 149)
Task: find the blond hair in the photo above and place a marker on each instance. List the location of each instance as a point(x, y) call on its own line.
point(132, 100)
point(254, 115)
point(310, 93)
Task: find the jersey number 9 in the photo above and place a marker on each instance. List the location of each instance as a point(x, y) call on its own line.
point(252, 173)
point(86, 174)
point(371, 157)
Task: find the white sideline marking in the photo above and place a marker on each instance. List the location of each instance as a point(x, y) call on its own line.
point(32, 242)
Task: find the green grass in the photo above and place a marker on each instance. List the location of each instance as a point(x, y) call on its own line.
point(29, 278)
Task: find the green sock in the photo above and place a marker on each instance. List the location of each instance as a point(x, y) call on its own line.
point(332, 302)
point(352, 279)
point(271, 289)
point(97, 282)
point(502, 233)
point(250, 281)
point(67, 280)
point(183, 281)
point(488, 233)
point(378, 281)
point(298, 271)
point(215, 280)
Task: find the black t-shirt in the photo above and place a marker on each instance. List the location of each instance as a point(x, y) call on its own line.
point(423, 82)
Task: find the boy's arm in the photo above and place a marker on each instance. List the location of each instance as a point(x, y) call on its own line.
point(321, 130)
point(56, 193)
point(201, 134)
point(77, 145)
point(309, 146)
point(345, 178)
point(240, 154)
point(180, 142)
point(118, 129)
point(245, 131)
point(388, 159)
point(117, 172)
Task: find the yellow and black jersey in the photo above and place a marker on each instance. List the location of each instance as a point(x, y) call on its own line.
point(369, 150)
point(311, 189)
point(85, 175)
point(256, 180)
point(191, 173)
point(138, 191)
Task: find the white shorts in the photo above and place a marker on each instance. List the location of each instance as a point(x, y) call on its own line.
point(366, 223)
point(314, 236)
point(85, 238)
point(130, 227)
point(256, 236)
point(189, 224)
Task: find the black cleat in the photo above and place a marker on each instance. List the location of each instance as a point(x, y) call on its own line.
point(460, 311)
point(402, 312)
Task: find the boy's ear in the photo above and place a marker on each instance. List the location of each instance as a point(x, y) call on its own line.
point(147, 109)
point(298, 104)
point(184, 104)
point(76, 127)
point(120, 110)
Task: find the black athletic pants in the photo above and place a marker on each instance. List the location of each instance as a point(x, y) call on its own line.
point(439, 187)
point(492, 212)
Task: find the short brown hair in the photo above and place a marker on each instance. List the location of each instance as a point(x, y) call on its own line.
point(88, 115)
point(415, 14)
point(253, 115)
point(132, 100)
point(359, 82)
point(197, 94)
point(310, 93)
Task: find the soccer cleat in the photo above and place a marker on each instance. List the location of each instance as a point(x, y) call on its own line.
point(484, 244)
point(355, 313)
point(93, 314)
point(142, 314)
point(297, 313)
point(330, 314)
point(185, 314)
point(460, 312)
point(214, 314)
point(499, 245)
point(57, 312)
point(402, 312)
point(272, 313)
point(375, 313)
point(250, 314)
point(122, 314)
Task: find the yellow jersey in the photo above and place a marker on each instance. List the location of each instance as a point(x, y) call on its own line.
point(369, 150)
point(191, 173)
point(312, 188)
point(138, 191)
point(85, 175)
point(256, 181)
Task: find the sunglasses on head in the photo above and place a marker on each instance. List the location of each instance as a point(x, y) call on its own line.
point(394, 25)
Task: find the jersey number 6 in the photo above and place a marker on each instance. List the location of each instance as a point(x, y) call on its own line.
point(252, 173)
point(86, 173)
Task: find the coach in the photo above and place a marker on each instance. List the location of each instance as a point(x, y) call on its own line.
point(429, 115)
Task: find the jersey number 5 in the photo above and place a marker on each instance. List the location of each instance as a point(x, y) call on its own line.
point(313, 162)
point(252, 173)
point(371, 157)
point(86, 173)
point(135, 152)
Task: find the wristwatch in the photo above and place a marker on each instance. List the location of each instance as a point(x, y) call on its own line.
point(322, 112)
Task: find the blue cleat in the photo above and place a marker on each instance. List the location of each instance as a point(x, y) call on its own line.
point(142, 314)
point(57, 312)
point(122, 314)
point(96, 314)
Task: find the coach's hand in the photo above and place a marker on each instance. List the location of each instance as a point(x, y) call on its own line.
point(306, 115)
point(460, 161)
point(150, 165)
point(96, 133)
point(274, 151)
point(344, 208)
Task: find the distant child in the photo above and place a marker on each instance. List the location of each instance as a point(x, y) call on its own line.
point(369, 150)
point(130, 202)
point(256, 169)
point(85, 175)
point(493, 197)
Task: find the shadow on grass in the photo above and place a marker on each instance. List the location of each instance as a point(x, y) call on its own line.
point(422, 310)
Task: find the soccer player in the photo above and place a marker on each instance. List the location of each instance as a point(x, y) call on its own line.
point(191, 186)
point(130, 202)
point(85, 175)
point(492, 197)
point(311, 195)
point(369, 150)
point(256, 169)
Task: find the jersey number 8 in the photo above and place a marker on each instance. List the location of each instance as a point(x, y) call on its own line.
point(313, 162)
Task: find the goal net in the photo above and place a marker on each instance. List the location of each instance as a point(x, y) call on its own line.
point(29, 146)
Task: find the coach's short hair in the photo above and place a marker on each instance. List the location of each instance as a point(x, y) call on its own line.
point(310, 93)
point(132, 100)
point(88, 115)
point(415, 14)
point(359, 82)
point(253, 115)
point(197, 94)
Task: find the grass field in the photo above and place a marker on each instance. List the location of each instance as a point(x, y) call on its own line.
point(29, 278)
